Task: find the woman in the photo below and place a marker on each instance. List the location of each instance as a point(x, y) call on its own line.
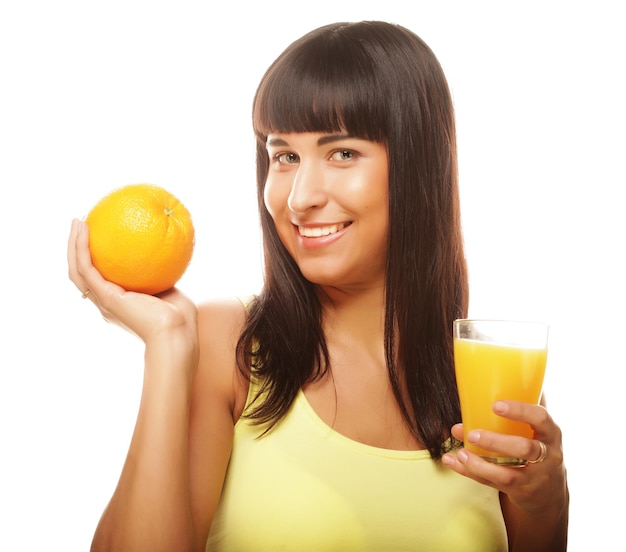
point(323, 414)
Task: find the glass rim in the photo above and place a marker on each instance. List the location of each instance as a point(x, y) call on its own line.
point(499, 321)
point(515, 333)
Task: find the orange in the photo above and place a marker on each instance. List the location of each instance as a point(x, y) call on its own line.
point(141, 237)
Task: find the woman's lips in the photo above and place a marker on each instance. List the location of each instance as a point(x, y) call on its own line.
point(320, 236)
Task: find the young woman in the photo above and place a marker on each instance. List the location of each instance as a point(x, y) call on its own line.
point(323, 414)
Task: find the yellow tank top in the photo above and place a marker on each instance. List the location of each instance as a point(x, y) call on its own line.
point(304, 487)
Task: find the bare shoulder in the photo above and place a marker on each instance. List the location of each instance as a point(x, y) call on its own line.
point(221, 317)
point(220, 323)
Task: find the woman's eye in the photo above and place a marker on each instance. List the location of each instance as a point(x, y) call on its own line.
point(342, 155)
point(286, 158)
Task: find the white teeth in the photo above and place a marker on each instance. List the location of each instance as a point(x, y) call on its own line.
point(318, 231)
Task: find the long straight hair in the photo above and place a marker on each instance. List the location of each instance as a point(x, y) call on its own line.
point(381, 82)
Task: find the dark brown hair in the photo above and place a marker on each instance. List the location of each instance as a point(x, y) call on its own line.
point(381, 82)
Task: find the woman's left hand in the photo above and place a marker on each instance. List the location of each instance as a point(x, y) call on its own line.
point(537, 488)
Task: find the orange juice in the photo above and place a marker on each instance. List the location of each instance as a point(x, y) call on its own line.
point(487, 372)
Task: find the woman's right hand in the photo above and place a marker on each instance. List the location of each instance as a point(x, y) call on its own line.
point(149, 317)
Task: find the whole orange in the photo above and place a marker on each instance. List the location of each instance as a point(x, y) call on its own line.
point(141, 237)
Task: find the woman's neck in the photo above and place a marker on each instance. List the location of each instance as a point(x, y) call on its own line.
point(354, 316)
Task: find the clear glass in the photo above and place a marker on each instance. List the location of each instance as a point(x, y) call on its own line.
point(498, 360)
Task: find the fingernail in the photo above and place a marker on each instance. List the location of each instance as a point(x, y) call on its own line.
point(462, 456)
point(447, 459)
point(500, 407)
point(473, 436)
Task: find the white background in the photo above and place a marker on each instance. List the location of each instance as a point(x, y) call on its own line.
point(95, 95)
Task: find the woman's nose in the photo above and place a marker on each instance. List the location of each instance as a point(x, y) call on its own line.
point(307, 189)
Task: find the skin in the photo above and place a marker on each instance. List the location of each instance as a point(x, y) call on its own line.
point(320, 180)
point(193, 393)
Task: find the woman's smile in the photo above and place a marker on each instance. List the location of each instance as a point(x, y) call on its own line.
point(322, 230)
point(318, 236)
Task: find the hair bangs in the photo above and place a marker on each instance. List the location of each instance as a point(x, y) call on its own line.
point(310, 91)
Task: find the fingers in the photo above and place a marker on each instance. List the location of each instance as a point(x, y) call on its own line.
point(503, 478)
point(144, 315)
point(543, 452)
point(535, 415)
point(72, 255)
point(457, 432)
point(87, 273)
point(83, 273)
point(71, 250)
point(546, 441)
point(507, 445)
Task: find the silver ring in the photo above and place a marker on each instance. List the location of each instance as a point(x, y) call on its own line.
point(542, 454)
point(87, 292)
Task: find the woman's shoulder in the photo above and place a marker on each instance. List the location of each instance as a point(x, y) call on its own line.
point(223, 314)
point(220, 323)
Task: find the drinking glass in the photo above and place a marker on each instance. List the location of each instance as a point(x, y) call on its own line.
point(498, 360)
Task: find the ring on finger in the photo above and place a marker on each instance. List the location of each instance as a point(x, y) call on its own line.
point(85, 293)
point(542, 454)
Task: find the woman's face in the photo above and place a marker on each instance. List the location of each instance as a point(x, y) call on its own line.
point(328, 197)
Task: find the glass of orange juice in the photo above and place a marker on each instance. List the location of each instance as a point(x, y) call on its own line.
point(498, 360)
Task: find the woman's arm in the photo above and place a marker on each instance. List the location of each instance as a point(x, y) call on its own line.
point(542, 530)
point(184, 424)
point(219, 393)
point(150, 508)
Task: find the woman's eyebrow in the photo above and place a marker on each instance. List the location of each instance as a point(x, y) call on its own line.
point(327, 139)
point(332, 138)
point(276, 142)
